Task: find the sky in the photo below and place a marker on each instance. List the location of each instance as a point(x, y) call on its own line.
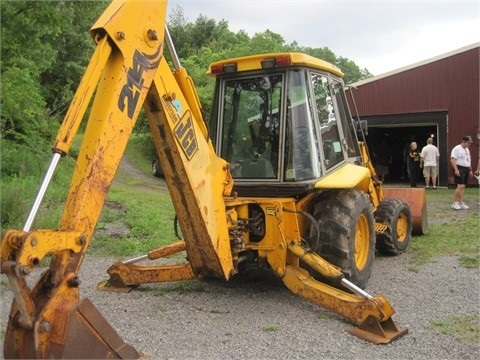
point(379, 36)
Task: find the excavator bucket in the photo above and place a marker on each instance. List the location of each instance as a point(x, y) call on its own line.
point(416, 199)
point(377, 332)
point(87, 335)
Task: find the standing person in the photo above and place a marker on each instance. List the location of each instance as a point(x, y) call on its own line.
point(429, 161)
point(461, 163)
point(406, 149)
point(413, 164)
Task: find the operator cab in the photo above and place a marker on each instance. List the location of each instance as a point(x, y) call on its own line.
point(281, 121)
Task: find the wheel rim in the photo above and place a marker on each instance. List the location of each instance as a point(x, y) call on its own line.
point(362, 241)
point(402, 227)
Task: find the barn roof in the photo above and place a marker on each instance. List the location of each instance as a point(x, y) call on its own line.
point(412, 66)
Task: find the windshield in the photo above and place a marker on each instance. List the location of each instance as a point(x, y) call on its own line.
point(251, 126)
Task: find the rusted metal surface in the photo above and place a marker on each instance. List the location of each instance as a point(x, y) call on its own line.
point(377, 332)
point(124, 278)
point(80, 332)
point(99, 339)
point(166, 250)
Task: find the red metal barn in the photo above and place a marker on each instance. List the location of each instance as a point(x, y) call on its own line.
point(437, 97)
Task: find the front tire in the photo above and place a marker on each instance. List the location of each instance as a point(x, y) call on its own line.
point(347, 233)
point(395, 214)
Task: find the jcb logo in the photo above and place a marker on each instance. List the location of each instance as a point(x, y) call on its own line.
point(185, 135)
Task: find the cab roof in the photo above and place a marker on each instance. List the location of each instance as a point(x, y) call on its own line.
point(271, 60)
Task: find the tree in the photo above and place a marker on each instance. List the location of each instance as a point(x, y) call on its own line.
point(40, 69)
point(350, 69)
point(322, 53)
point(266, 42)
point(74, 49)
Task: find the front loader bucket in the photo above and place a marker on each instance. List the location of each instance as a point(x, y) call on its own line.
point(88, 335)
point(377, 332)
point(416, 199)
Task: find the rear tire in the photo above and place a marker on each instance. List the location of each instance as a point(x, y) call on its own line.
point(347, 233)
point(395, 214)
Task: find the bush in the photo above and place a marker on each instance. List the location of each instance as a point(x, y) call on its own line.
point(17, 195)
point(23, 161)
point(23, 170)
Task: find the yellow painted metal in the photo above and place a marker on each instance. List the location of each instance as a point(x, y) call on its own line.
point(380, 228)
point(254, 62)
point(279, 227)
point(349, 176)
point(124, 278)
point(375, 188)
point(185, 83)
point(402, 227)
point(30, 248)
point(352, 307)
point(82, 97)
point(372, 315)
point(196, 177)
point(120, 94)
point(362, 241)
point(316, 262)
point(167, 250)
point(378, 332)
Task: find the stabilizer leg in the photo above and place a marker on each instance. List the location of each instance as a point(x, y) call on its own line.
point(126, 275)
point(372, 315)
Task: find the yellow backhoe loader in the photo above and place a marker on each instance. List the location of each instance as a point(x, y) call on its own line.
point(279, 177)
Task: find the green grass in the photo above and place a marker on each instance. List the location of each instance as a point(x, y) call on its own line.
point(465, 328)
point(147, 218)
point(141, 152)
point(451, 232)
point(271, 328)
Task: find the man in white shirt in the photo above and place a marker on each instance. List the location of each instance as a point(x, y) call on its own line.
point(462, 166)
point(429, 160)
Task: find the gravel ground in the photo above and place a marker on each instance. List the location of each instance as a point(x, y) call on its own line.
point(258, 318)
